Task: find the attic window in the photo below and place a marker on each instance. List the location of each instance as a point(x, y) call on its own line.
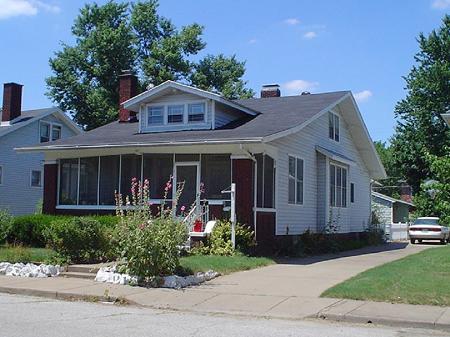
point(333, 126)
point(196, 112)
point(155, 115)
point(175, 114)
point(49, 131)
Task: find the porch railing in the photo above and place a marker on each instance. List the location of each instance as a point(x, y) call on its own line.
point(198, 212)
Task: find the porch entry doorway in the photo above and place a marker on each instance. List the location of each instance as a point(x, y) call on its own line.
point(187, 173)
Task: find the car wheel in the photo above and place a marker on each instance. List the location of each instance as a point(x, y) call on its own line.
point(413, 241)
point(420, 241)
point(443, 241)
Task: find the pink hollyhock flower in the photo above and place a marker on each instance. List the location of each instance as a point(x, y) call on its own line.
point(183, 208)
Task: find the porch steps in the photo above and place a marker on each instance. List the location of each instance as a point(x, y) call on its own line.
point(83, 271)
point(86, 276)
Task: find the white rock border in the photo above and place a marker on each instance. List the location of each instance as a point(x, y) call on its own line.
point(29, 269)
point(110, 275)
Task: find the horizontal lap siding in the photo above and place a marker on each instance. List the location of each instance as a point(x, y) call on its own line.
point(303, 144)
point(383, 210)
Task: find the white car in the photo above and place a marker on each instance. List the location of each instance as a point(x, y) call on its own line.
point(428, 228)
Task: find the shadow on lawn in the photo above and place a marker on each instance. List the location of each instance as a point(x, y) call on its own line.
point(361, 251)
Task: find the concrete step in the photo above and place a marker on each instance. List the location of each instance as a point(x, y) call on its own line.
point(72, 274)
point(79, 268)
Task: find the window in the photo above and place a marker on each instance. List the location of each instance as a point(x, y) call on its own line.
point(1, 175)
point(155, 115)
point(333, 126)
point(44, 132)
point(175, 114)
point(338, 186)
point(36, 178)
point(88, 181)
point(109, 179)
point(352, 192)
point(68, 182)
point(196, 112)
point(56, 132)
point(295, 188)
point(216, 175)
point(157, 169)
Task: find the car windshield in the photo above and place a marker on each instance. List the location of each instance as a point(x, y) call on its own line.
point(426, 222)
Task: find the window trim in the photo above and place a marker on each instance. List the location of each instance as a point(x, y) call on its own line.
point(165, 124)
point(50, 133)
point(296, 157)
point(334, 115)
point(343, 167)
point(40, 179)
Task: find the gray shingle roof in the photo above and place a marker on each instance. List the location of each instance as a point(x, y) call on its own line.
point(25, 118)
point(277, 114)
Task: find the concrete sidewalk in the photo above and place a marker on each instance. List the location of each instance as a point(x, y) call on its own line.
point(288, 290)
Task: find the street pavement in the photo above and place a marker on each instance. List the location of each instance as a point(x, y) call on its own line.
point(24, 316)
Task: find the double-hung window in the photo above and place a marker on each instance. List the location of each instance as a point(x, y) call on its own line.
point(333, 126)
point(155, 115)
point(196, 112)
point(338, 186)
point(295, 181)
point(49, 131)
point(36, 178)
point(175, 114)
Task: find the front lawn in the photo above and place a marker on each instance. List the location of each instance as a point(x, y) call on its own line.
point(422, 278)
point(15, 254)
point(222, 264)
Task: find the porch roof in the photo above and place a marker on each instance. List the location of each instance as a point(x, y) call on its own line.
point(390, 199)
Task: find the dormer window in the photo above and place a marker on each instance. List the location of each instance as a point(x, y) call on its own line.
point(155, 115)
point(175, 114)
point(196, 112)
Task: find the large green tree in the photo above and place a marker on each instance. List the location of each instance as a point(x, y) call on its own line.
point(132, 36)
point(420, 129)
point(392, 183)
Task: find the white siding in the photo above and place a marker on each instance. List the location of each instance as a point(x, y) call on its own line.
point(315, 208)
point(16, 193)
point(383, 209)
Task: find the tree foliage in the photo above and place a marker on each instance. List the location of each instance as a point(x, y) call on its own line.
point(133, 36)
point(420, 129)
point(386, 154)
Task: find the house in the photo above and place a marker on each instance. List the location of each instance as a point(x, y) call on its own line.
point(21, 175)
point(390, 210)
point(298, 162)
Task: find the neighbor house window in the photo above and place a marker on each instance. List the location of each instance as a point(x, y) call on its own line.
point(196, 112)
point(352, 192)
point(56, 132)
point(265, 181)
point(44, 131)
point(338, 186)
point(36, 178)
point(155, 115)
point(295, 181)
point(333, 126)
point(175, 114)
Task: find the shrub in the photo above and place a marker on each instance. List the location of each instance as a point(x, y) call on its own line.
point(78, 239)
point(5, 225)
point(149, 245)
point(219, 242)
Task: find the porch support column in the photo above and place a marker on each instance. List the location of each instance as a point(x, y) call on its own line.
point(50, 187)
point(243, 178)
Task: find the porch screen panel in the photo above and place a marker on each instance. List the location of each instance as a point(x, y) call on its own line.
point(88, 181)
point(109, 179)
point(215, 175)
point(68, 181)
point(131, 168)
point(265, 181)
point(157, 169)
point(259, 179)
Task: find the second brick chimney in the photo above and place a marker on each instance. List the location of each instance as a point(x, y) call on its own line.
point(127, 89)
point(12, 101)
point(270, 90)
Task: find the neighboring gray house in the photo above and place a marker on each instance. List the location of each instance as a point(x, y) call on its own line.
point(299, 162)
point(390, 210)
point(446, 118)
point(22, 175)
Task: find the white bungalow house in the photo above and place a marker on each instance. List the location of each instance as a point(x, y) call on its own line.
point(298, 162)
point(21, 175)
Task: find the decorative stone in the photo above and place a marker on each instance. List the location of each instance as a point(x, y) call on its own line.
point(29, 269)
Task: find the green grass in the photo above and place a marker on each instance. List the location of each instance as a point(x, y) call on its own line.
point(25, 254)
point(422, 278)
point(222, 264)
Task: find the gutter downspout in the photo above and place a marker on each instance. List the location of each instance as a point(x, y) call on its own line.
point(250, 156)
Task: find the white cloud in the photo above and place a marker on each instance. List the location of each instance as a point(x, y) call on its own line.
point(310, 35)
point(292, 21)
point(440, 4)
point(11, 8)
point(363, 96)
point(296, 87)
point(252, 41)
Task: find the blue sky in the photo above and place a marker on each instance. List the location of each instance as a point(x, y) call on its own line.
point(319, 46)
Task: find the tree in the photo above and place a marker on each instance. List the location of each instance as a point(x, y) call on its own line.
point(386, 154)
point(420, 129)
point(122, 36)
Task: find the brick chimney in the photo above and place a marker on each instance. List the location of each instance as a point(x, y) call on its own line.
point(270, 90)
point(127, 89)
point(12, 101)
point(405, 192)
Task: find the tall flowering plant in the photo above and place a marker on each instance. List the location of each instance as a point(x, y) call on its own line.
point(148, 242)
